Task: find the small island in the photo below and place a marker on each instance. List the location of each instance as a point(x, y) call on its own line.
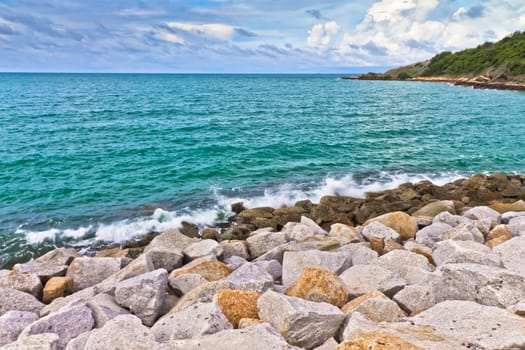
point(499, 65)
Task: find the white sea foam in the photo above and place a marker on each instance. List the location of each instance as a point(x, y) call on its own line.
point(283, 195)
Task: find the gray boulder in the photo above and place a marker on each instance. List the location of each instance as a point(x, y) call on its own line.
point(517, 226)
point(415, 298)
point(452, 220)
point(273, 267)
point(144, 295)
point(58, 303)
point(295, 262)
point(512, 252)
point(202, 248)
point(45, 341)
point(362, 279)
point(413, 268)
point(196, 320)
point(261, 243)
point(298, 232)
point(359, 253)
point(234, 248)
point(87, 272)
point(483, 212)
point(506, 217)
point(432, 234)
point(184, 283)
point(316, 229)
point(105, 308)
point(12, 323)
point(464, 232)
point(12, 299)
point(164, 256)
point(68, 323)
point(378, 230)
point(302, 323)
point(24, 282)
point(250, 276)
point(452, 252)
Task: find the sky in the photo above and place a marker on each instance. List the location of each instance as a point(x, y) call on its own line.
point(240, 36)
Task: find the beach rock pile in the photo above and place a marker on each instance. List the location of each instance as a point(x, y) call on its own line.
point(445, 276)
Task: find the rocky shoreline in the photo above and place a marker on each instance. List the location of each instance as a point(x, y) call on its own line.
point(417, 267)
point(480, 82)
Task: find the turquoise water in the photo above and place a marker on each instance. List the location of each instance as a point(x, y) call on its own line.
point(86, 158)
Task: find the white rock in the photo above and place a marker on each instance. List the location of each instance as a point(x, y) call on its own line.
point(302, 323)
point(483, 212)
point(451, 252)
point(432, 234)
point(68, 323)
point(345, 234)
point(317, 230)
point(87, 272)
point(413, 268)
point(12, 323)
point(250, 276)
point(464, 232)
point(258, 337)
point(143, 295)
point(517, 226)
point(45, 341)
point(359, 253)
point(263, 242)
point(184, 283)
point(378, 230)
point(452, 220)
point(105, 308)
point(164, 257)
point(295, 262)
point(196, 320)
point(234, 248)
point(330, 344)
point(273, 267)
point(126, 330)
point(59, 303)
point(12, 299)
point(512, 252)
point(362, 279)
point(486, 285)
point(506, 217)
point(301, 232)
point(24, 282)
point(79, 343)
point(203, 248)
point(416, 297)
point(234, 262)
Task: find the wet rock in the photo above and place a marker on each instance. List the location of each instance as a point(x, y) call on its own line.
point(12, 323)
point(189, 229)
point(236, 304)
point(485, 285)
point(68, 323)
point(210, 233)
point(105, 308)
point(203, 248)
point(261, 243)
point(211, 270)
point(362, 279)
point(464, 232)
point(452, 252)
point(87, 272)
point(375, 306)
point(237, 207)
point(234, 248)
point(184, 283)
point(377, 230)
point(517, 226)
point(45, 341)
point(512, 252)
point(506, 207)
point(143, 295)
point(237, 232)
point(199, 319)
point(319, 285)
point(258, 337)
point(435, 208)
point(24, 282)
point(302, 323)
point(399, 221)
point(432, 234)
point(295, 262)
point(126, 330)
point(12, 299)
point(57, 287)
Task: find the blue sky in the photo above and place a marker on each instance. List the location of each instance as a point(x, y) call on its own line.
point(243, 36)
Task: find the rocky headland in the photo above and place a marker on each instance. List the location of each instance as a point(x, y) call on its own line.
point(417, 267)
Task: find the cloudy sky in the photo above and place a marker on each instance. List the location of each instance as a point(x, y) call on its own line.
point(242, 35)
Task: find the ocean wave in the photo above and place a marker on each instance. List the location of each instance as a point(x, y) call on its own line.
point(281, 195)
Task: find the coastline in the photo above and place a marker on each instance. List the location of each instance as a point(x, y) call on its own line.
point(421, 266)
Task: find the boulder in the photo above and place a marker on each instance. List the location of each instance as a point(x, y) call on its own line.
point(377, 340)
point(105, 308)
point(298, 232)
point(506, 217)
point(73, 299)
point(273, 267)
point(517, 226)
point(143, 295)
point(375, 306)
point(324, 244)
point(258, 337)
point(345, 234)
point(79, 343)
point(203, 248)
point(357, 253)
point(248, 322)
point(237, 232)
point(182, 284)
point(378, 230)
point(142, 264)
point(432, 234)
point(486, 285)
point(189, 229)
point(24, 282)
point(295, 262)
point(261, 243)
point(398, 221)
point(250, 276)
point(506, 207)
point(45, 341)
point(237, 304)
point(172, 240)
point(87, 272)
point(125, 330)
point(413, 268)
point(499, 231)
point(316, 229)
point(330, 344)
point(44, 271)
point(415, 298)
point(319, 285)
point(362, 279)
point(432, 209)
point(449, 219)
point(57, 287)
point(483, 212)
point(164, 257)
point(420, 249)
point(58, 256)
point(68, 323)
point(512, 252)
point(302, 323)
point(464, 232)
point(199, 319)
point(12, 299)
point(234, 262)
point(234, 248)
point(12, 323)
point(211, 270)
point(453, 252)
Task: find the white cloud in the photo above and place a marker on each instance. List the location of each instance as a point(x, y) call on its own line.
point(211, 31)
point(134, 12)
point(321, 34)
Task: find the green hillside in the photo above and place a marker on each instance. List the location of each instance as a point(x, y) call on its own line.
point(503, 59)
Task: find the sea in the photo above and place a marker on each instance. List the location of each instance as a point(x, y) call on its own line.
point(91, 160)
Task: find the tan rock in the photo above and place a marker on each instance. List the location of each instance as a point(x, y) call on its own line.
point(248, 322)
point(377, 340)
point(505, 207)
point(375, 306)
point(319, 285)
point(499, 231)
point(345, 233)
point(391, 245)
point(399, 221)
point(420, 249)
point(496, 241)
point(211, 270)
point(237, 305)
point(377, 244)
point(57, 287)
